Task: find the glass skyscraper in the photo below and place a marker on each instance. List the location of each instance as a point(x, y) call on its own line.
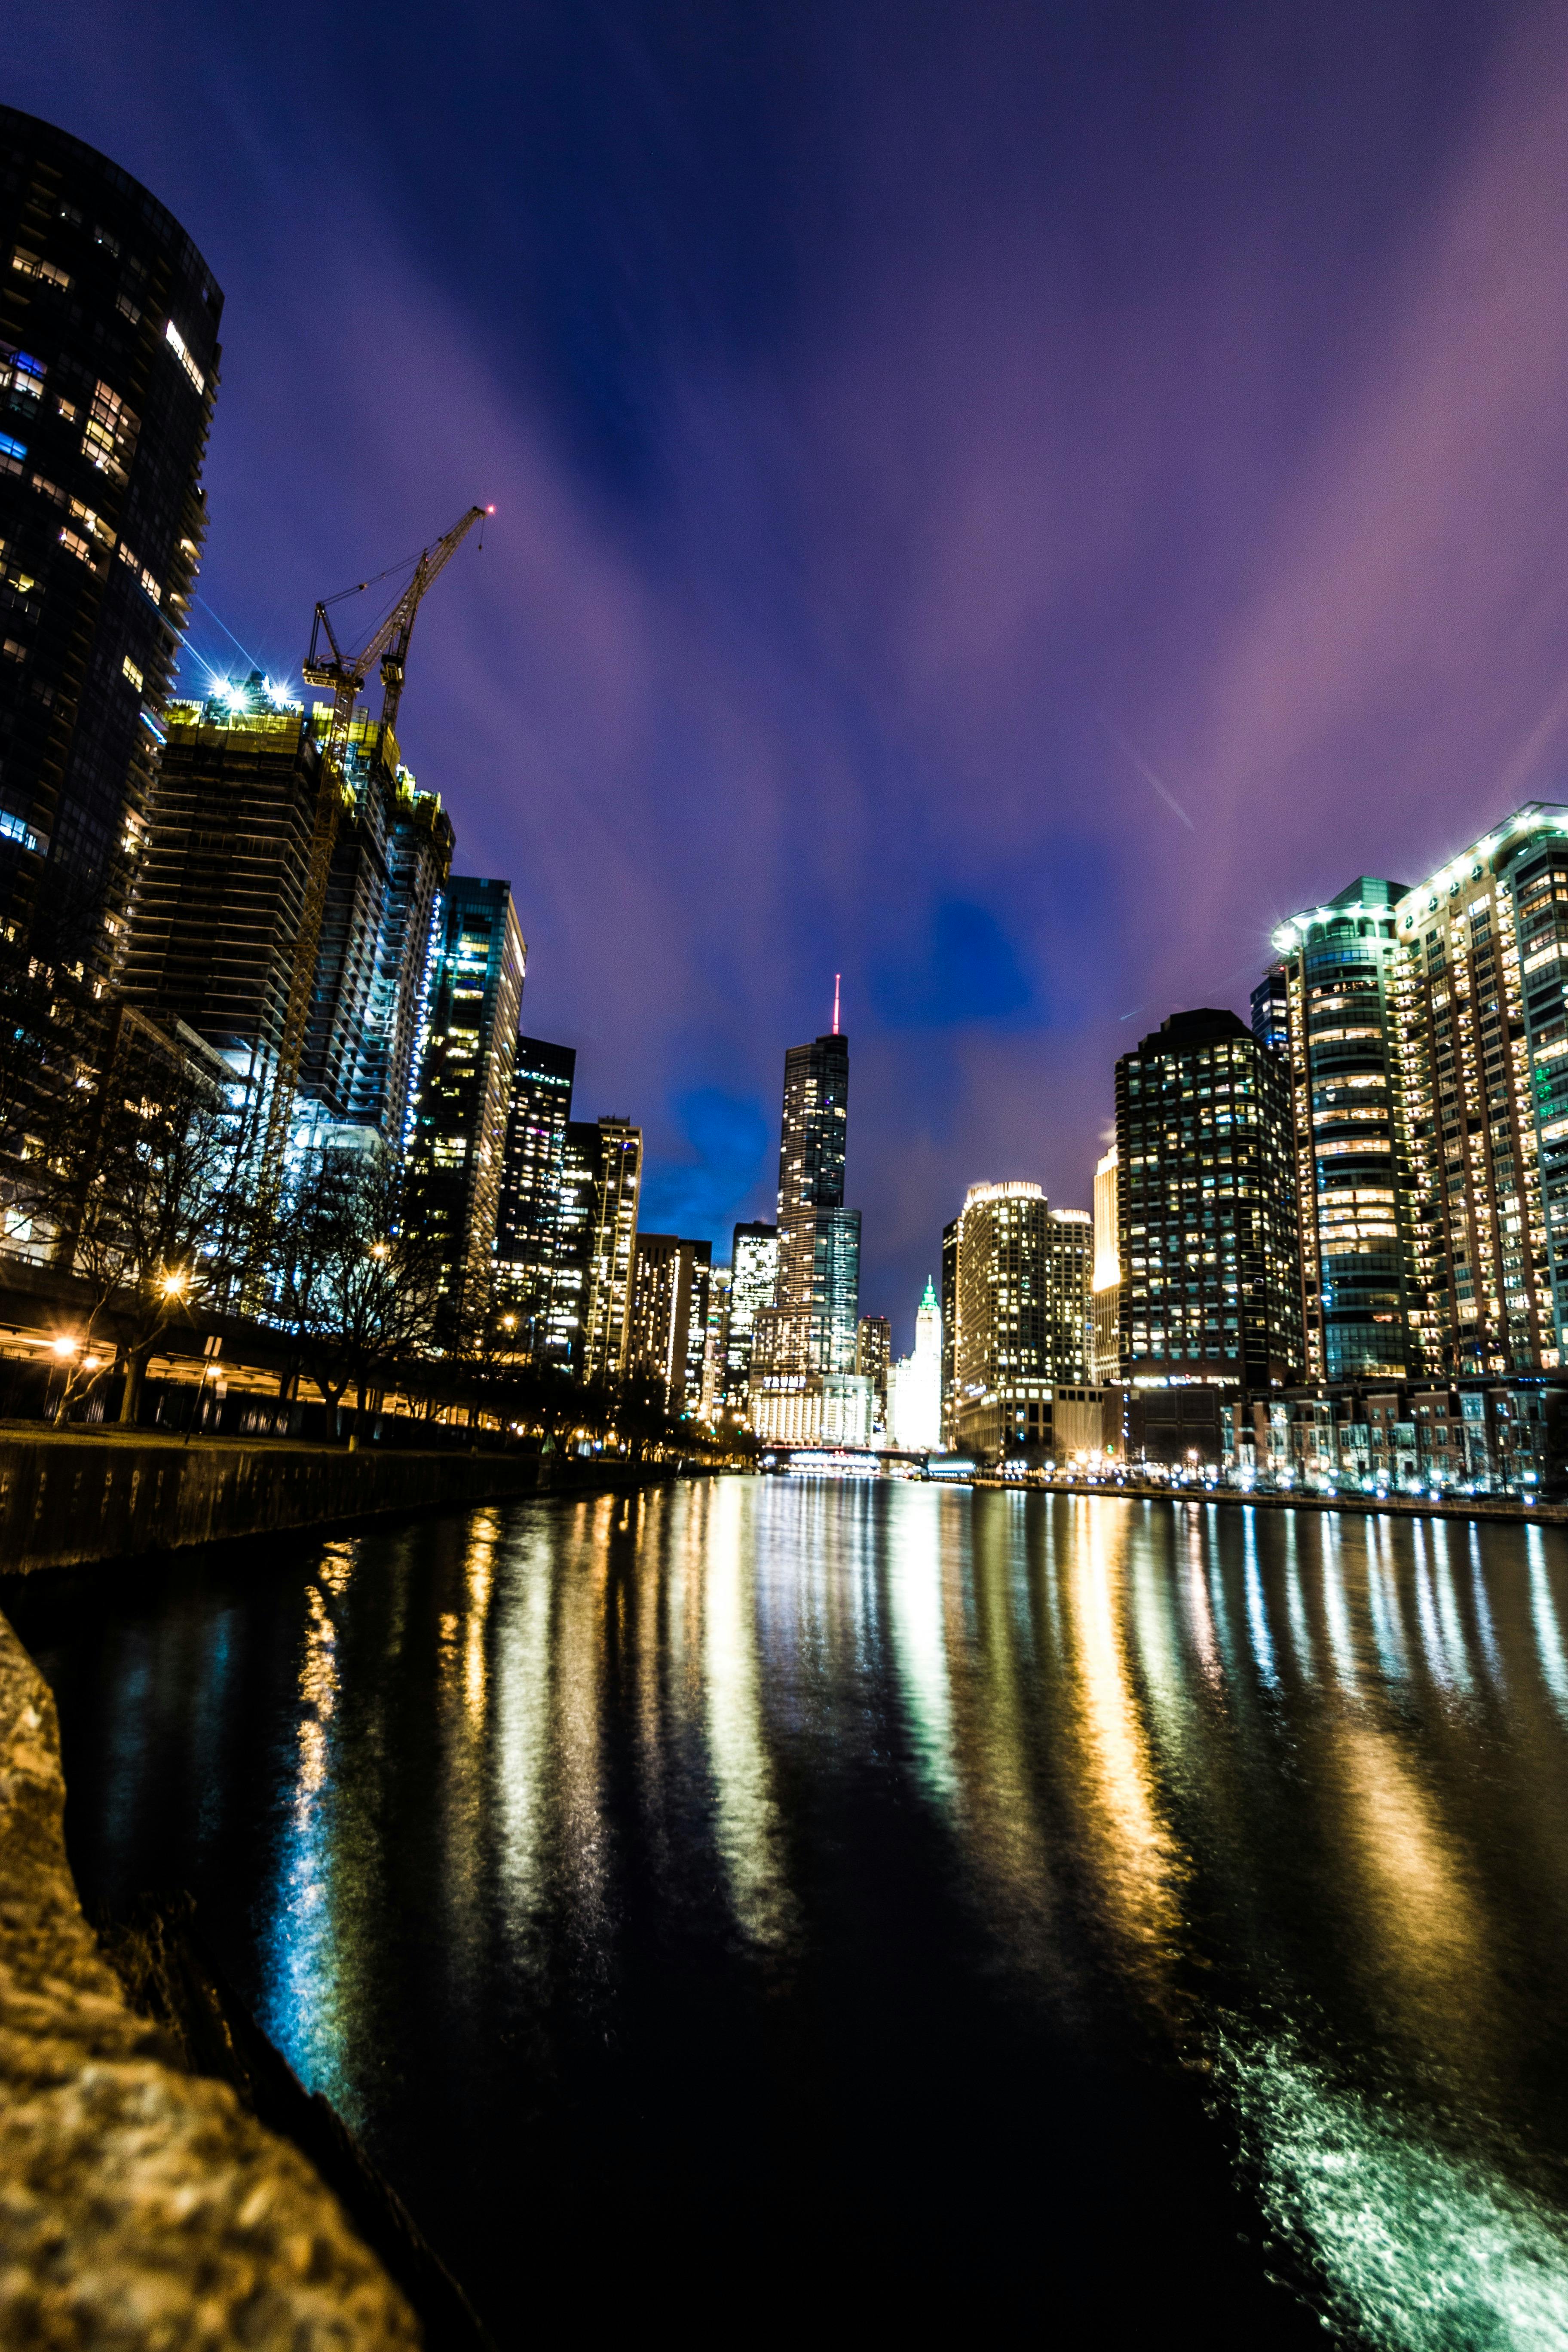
point(808, 1335)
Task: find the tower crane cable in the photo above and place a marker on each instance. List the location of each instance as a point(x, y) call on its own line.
point(345, 674)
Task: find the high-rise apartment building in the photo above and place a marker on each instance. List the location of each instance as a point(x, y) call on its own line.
point(458, 1144)
point(531, 1168)
point(1427, 1033)
point(1106, 1303)
point(874, 1362)
point(1208, 1243)
point(572, 1263)
point(600, 1280)
point(108, 358)
point(716, 1345)
point(949, 1328)
point(915, 1399)
point(668, 1328)
point(382, 930)
point(220, 883)
point(753, 1278)
point(1022, 1284)
point(808, 1333)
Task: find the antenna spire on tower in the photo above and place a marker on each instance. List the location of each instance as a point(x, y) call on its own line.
point(836, 979)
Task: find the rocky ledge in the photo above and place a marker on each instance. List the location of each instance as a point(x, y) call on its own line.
point(139, 2204)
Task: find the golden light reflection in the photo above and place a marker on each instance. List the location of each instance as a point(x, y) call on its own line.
point(1138, 1861)
point(750, 1833)
point(915, 1611)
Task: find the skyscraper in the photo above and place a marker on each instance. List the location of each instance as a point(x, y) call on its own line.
point(614, 1148)
point(914, 1417)
point(715, 1346)
point(458, 1146)
point(1210, 1271)
point(531, 1167)
point(1106, 1276)
point(808, 1333)
point(668, 1331)
point(874, 1361)
point(949, 1331)
point(109, 356)
point(753, 1278)
point(380, 937)
point(1021, 1311)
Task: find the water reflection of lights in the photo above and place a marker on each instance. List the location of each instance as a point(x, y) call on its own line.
point(916, 1610)
point(749, 1831)
point(1424, 2248)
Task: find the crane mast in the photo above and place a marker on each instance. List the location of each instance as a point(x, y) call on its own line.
point(345, 674)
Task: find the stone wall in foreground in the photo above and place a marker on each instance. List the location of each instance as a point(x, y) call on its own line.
point(139, 2205)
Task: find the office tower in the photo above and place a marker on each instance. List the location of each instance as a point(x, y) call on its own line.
point(753, 1278)
point(1362, 1313)
point(382, 931)
point(1106, 1303)
point(1271, 1010)
point(531, 1166)
point(1483, 944)
point(457, 1141)
point(668, 1322)
point(949, 1331)
point(613, 1149)
point(1210, 1267)
point(1070, 1304)
point(914, 1414)
point(715, 1347)
point(219, 886)
point(873, 1361)
point(109, 356)
point(808, 1333)
point(1003, 1378)
point(571, 1273)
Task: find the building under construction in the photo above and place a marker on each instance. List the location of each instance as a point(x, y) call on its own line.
point(220, 897)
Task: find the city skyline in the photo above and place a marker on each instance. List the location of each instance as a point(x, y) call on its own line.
point(648, 671)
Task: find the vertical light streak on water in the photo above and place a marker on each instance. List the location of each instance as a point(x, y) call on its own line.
point(1448, 1613)
point(1136, 1857)
point(1257, 1614)
point(1382, 1601)
point(300, 2005)
point(462, 1707)
point(1336, 1612)
point(1296, 1607)
point(1427, 1614)
point(1200, 1614)
point(1544, 1615)
point(916, 1612)
point(748, 1829)
point(522, 1739)
point(1219, 1604)
point(1481, 1603)
point(579, 1832)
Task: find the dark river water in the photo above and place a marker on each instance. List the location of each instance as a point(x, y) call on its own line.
point(765, 1904)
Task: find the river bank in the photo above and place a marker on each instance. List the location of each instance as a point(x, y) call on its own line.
point(75, 1498)
point(1510, 1510)
point(139, 2202)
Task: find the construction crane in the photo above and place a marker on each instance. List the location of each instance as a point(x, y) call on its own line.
point(345, 674)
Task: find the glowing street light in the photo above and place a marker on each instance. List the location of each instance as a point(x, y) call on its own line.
point(172, 1286)
point(63, 1345)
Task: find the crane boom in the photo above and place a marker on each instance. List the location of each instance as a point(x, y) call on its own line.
point(345, 674)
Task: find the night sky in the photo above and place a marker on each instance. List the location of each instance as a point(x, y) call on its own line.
point(1003, 502)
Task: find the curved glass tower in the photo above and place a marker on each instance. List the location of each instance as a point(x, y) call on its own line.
point(109, 357)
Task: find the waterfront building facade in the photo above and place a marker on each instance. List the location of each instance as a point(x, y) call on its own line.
point(1106, 1282)
point(1364, 1305)
point(528, 1212)
point(108, 361)
point(949, 1331)
point(716, 1347)
point(668, 1328)
point(617, 1156)
point(1211, 1283)
point(1018, 1331)
point(753, 1278)
point(914, 1414)
point(458, 1145)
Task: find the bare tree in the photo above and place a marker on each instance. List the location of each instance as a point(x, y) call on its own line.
point(355, 1281)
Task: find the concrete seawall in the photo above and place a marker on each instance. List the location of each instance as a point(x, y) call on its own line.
point(70, 1500)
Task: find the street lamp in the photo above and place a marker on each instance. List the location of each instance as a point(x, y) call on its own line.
point(172, 1286)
